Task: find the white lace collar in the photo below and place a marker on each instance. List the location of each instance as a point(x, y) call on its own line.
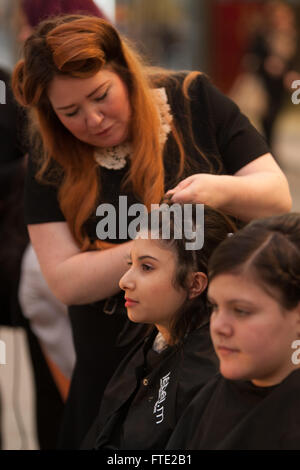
point(114, 158)
point(159, 344)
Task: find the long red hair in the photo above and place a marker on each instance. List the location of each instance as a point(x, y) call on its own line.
point(79, 46)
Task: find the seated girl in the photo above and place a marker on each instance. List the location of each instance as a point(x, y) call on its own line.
point(254, 291)
point(165, 287)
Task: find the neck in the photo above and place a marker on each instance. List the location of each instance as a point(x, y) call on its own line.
point(164, 330)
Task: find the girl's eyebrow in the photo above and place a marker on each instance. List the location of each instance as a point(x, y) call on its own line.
point(146, 256)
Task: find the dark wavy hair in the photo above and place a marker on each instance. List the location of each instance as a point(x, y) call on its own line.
point(216, 227)
point(267, 250)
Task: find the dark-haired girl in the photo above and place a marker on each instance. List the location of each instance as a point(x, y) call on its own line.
point(165, 286)
point(254, 292)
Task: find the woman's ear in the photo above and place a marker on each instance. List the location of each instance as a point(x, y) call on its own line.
point(198, 284)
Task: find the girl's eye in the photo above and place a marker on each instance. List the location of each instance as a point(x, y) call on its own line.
point(212, 307)
point(146, 267)
point(240, 312)
point(129, 263)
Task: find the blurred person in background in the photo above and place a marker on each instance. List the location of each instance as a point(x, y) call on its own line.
point(271, 63)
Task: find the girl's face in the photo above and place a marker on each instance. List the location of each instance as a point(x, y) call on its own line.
point(149, 293)
point(96, 110)
point(252, 334)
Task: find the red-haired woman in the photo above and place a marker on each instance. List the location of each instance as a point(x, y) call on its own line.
point(104, 126)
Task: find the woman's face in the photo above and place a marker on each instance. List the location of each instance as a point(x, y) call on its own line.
point(96, 110)
point(150, 296)
point(252, 334)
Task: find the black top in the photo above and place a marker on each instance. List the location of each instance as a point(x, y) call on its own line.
point(229, 142)
point(237, 415)
point(149, 392)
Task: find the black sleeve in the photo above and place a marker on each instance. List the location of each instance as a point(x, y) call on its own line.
point(41, 203)
point(238, 141)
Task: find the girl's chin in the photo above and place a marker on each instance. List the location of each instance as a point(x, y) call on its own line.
point(233, 374)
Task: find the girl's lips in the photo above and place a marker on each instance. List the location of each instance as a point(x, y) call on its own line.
point(130, 302)
point(224, 351)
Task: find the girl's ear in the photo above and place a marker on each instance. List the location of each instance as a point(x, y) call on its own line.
point(198, 284)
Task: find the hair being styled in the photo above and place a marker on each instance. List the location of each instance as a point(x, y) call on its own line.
point(267, 250)
point(216, 228)
point(80, 46)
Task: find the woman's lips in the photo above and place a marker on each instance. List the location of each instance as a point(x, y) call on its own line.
point(130, 302)
point(105, 131)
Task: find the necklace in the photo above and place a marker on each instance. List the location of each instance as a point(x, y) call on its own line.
point(114, 158)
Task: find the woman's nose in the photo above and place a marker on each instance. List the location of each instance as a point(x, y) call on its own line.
point(93, 118)
point(127, 281)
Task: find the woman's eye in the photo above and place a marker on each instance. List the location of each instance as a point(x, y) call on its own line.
point(72, 114)
point(129, 263)
point(100, 98)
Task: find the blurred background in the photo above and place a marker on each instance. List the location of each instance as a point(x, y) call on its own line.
point(249, 49)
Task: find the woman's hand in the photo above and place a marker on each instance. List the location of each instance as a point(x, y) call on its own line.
point(200, 188)
point(259, 189)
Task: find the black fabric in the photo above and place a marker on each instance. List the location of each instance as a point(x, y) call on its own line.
point(149, 392)
point(237, 415)
point(95, 334)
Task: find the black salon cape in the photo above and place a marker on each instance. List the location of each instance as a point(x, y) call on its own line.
point(101, 341)
point(237, 415)
point(149, 392)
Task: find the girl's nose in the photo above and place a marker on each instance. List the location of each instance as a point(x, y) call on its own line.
point(220, 324)
point(127, 281)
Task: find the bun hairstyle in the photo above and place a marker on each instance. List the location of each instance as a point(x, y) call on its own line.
point(216, 227)
point(268, 250)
